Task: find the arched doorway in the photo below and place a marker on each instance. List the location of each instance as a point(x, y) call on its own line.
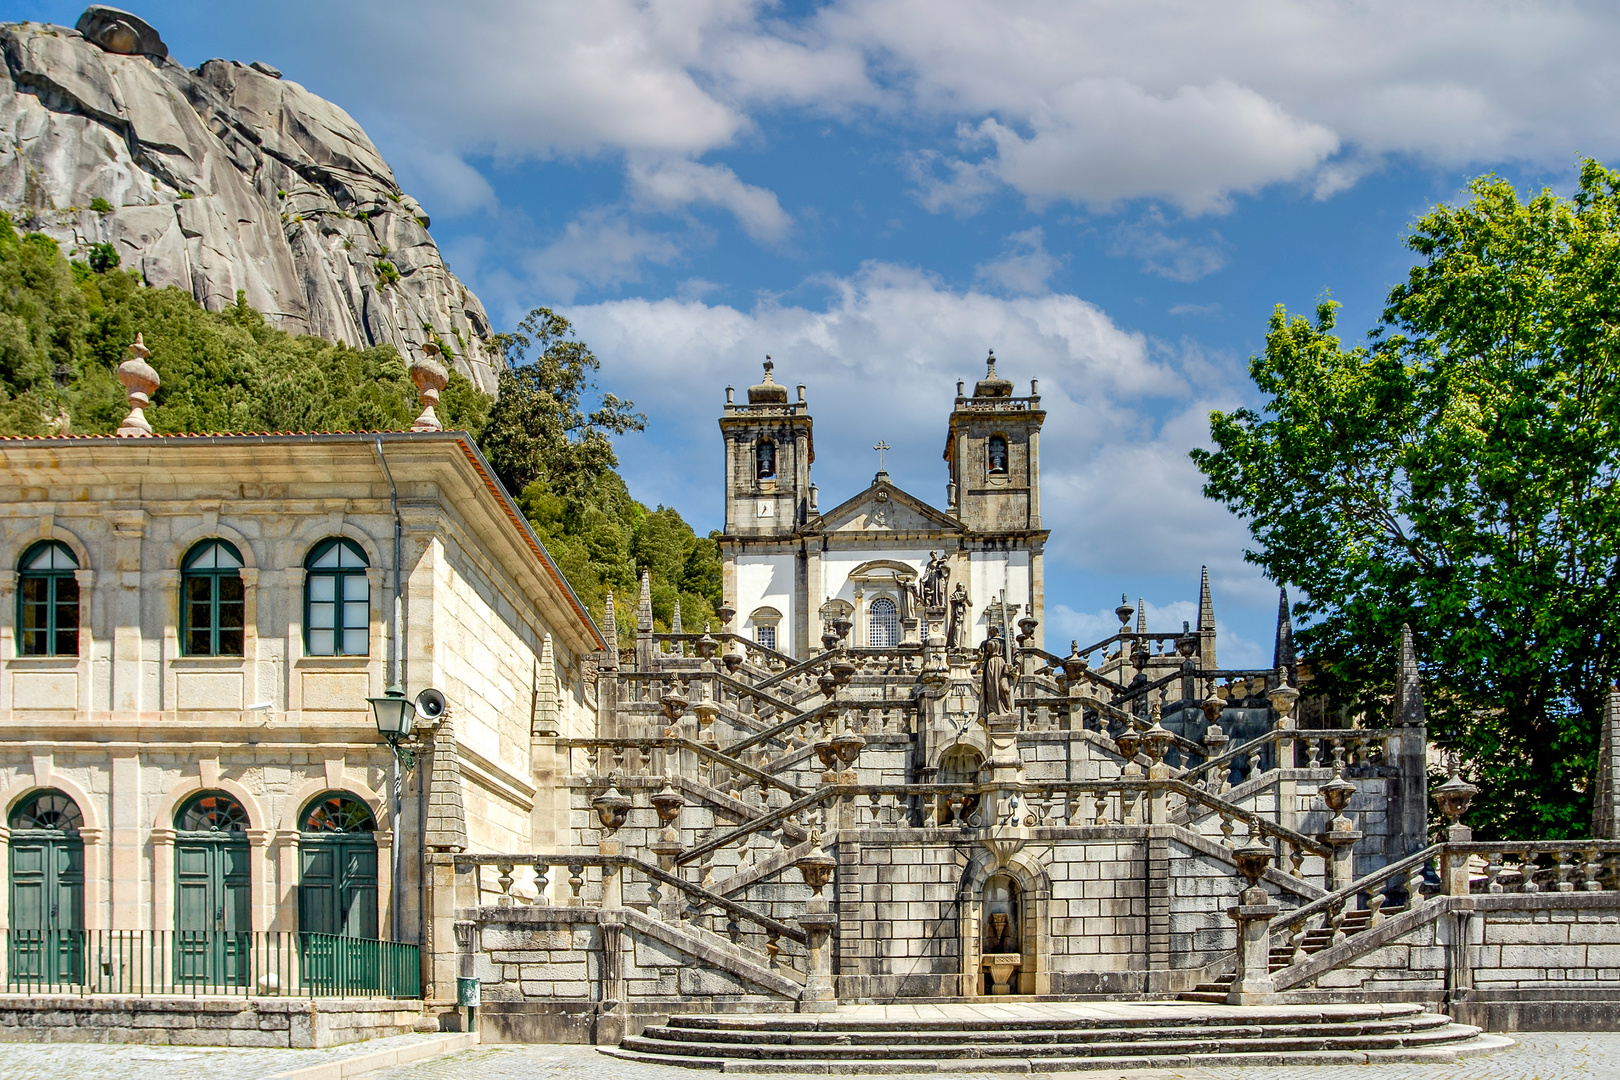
point(46, 872)
point(212, 905)
point(337, 892)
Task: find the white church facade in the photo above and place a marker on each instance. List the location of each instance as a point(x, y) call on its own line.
point(898, 569)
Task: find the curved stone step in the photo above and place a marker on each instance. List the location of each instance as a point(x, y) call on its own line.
point(1479, 1044)
point(1168, 1016)
point(1397, 1026)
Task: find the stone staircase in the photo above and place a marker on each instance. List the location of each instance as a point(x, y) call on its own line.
point(1052, 1037)
point(1315, 940)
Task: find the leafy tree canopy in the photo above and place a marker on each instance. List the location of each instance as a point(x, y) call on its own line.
point(64, 328)
point(1458, 472)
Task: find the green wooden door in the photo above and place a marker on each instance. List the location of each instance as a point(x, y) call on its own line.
point(337, 896)
point(46, 872)
point(213, 925)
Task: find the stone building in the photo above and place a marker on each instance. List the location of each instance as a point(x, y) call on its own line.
point(885, 560)
point(190, 628)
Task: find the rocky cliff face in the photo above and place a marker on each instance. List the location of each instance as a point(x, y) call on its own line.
point(222, 179)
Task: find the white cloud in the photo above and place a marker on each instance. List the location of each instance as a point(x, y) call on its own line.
point(1103, 141)
point(1173, 257)
point(1025, 265)
point(881, 356)
point(672, 185)
point(600, 248)
point(1195, 309)
point(1089, 101)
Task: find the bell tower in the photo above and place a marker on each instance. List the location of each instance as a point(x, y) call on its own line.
point(768, 454)
point(993, 450)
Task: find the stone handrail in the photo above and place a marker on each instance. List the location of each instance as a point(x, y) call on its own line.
point(776, 730)
point(1262, 827)
point(1296, 735)
point(764, 779)
point(543, 862)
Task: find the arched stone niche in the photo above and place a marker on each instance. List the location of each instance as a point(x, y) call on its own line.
point(1021, 890)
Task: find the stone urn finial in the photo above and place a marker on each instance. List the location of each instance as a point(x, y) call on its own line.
point(140, 381)
point(430, 377)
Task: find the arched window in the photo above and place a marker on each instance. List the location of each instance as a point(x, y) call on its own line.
point(337, 600)
point(996, 454)
point(882, 624)
point(337, 879)
point(764, 459)
point(211, 812)
point(48, 809)
point(211, 600)
point(48, 601)
point(46, 871)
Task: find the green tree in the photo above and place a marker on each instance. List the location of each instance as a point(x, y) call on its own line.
point(1458, 472)
point(538, 428)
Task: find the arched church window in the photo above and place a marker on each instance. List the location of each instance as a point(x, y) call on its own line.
point(882, 624)
point(997, 454)
point(764, 459)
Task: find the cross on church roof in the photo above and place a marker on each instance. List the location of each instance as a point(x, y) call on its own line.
point(881, 446)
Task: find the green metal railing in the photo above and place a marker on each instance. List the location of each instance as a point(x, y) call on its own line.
point(211, 962)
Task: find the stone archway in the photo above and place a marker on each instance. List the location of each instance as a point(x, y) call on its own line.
point(1020, 889)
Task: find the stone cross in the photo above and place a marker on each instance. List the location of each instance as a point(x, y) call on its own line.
point(881, 446)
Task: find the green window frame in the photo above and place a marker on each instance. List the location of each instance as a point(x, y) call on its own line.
point(337, 600)
point(48, 601)
point(212, 606)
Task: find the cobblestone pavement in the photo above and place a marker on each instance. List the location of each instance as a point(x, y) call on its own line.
point(1539, 1056)
point(100, 1061)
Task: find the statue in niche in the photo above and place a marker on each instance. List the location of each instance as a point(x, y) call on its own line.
point(934, 580)
point(956, 622)
point(995, 676)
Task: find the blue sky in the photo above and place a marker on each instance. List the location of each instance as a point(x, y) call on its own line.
point(1111, 195)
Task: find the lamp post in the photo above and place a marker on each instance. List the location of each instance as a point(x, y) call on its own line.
point(396, 718)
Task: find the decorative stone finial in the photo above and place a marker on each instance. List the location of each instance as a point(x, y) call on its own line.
point(140, 381)
point(767, 391)
point(992, 385)
point(430, 377)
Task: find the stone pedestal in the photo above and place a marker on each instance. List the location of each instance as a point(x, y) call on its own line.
point(1454, 868)
point(1253, 985)
point(1002, 968)
point(818, 994)
point(1341, 867)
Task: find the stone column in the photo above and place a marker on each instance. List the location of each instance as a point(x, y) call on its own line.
point(818, 994)
point(163, 880)
point(260, 865)
point(1253, 985)
point(610, 1016)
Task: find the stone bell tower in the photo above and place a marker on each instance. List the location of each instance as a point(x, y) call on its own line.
point(768, 454)
point(993, 450)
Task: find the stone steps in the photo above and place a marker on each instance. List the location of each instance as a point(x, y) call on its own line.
point(1315, 940)
point(996, 1039)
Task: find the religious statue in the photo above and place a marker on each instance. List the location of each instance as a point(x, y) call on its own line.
point(934, 579)
point(995, 676)
point(956, 623)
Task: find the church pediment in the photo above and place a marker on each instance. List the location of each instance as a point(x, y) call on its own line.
point(884, 508)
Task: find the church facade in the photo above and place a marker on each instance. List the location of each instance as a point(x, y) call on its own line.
point(896, 568)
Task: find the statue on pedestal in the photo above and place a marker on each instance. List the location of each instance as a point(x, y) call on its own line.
point(935, 577)
point(956, 624)
point(995, 676)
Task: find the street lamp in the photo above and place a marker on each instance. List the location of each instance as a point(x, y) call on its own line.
point(396, 719)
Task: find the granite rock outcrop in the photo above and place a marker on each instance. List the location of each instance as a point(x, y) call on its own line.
point(223, 179)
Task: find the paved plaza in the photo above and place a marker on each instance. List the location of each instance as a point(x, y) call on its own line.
point(1539, 1056)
